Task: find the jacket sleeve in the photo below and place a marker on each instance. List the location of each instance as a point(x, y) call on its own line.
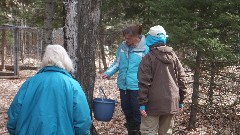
point(15, 108)
point(115, 66)
point(81, 113)
point(181, 76)
point(144, 80)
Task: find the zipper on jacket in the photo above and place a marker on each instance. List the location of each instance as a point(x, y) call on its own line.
point(127, 70)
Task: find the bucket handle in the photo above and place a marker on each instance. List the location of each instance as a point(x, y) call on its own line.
point(102, 91)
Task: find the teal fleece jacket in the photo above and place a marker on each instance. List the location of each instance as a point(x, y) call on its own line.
point(126, 63)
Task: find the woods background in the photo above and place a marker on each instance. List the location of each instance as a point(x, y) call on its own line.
point(204, 33)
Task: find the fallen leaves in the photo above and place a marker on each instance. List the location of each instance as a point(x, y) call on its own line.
point(208, 118)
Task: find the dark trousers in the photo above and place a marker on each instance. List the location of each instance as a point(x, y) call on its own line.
point(130, 106)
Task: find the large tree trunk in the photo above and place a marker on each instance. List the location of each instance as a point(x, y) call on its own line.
point(195, 94)
point(80, 35)
point(89, 15)
point(48, 24)
point(71, 30)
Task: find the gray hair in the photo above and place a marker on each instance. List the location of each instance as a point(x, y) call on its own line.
point(56, 55)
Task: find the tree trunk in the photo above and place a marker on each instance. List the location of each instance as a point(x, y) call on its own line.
point(101, 46)
point(48, 24)
point(99, 58)
point(80, 35)
point(71, 30)
point(89, 15)
point(212, 83)
point(195, 94)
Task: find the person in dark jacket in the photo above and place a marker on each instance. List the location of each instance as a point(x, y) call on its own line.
point(128, 57)
point(162, 85)
point(51, 102)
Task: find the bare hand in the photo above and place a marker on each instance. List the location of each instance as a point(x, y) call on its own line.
point(104, 76)
point(143, 113)
point(180, 109)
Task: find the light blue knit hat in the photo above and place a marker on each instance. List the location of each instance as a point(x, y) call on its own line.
point(156, 34)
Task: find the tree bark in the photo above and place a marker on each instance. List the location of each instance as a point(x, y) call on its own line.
point(89, 16)
point(71, 30)
point(99, 58)
point(101, 46)
point(212, 83)
point(80, 39)
point(48, 24)
point(195, 94)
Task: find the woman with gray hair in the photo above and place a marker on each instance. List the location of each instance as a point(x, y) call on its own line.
point(50, 102)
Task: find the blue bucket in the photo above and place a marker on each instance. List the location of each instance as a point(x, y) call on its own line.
point(103, 109)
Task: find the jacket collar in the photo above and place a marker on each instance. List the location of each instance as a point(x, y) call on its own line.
point(162, 48)
point(140, 46)
point(54, 69)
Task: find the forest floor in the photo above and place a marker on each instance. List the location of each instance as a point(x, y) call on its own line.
point(9, 88)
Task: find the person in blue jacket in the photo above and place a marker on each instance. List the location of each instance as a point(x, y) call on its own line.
point(50, 102)
point(128, 56)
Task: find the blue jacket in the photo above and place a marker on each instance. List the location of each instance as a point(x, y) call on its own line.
point(49, 103)
point(126, 62)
